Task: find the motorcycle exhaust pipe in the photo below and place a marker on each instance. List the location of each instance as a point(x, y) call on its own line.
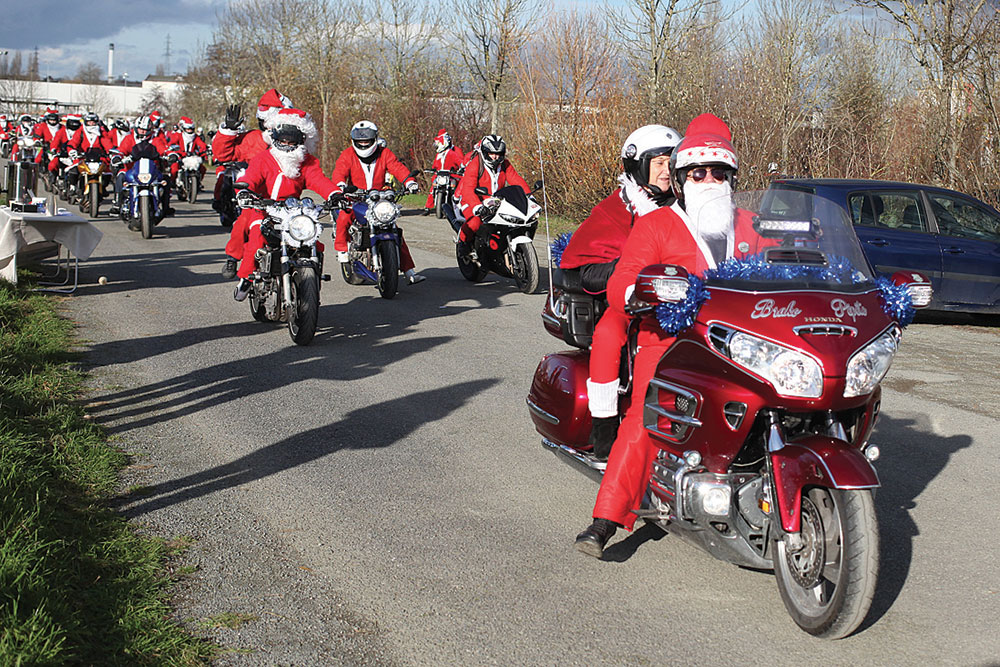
point(585, 462)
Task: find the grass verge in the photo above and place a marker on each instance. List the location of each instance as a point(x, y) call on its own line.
point(77, 585)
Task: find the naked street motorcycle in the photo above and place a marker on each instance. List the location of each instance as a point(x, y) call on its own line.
point(763, 406)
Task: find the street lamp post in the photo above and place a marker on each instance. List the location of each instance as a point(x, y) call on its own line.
point(124, 92)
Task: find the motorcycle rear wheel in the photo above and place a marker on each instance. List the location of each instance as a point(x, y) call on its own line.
point(471, 271)
point(828, 585)
point(525, 268)
point(388, 277)
point(303, 311)
point(257, 307)
point(146, 217)
point(347, 271)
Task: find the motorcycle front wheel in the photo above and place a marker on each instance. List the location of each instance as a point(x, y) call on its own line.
point(439, 205)
point(827, 585)
point(388, 277)
point(191, 188)
point(95, 201)
point(303, 311)
point(525, 268)
point(146, 217)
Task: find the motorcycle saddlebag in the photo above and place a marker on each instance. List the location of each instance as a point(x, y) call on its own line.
point(558, 398)
point(582, 310)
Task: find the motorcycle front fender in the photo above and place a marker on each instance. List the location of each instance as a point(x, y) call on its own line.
point(519, 240)
point(816, 460)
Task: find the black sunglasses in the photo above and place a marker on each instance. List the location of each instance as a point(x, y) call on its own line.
point(699, 174)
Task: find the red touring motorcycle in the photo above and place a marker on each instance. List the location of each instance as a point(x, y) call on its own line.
point(763, 405)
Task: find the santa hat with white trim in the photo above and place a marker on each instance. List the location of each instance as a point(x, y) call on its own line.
point(707, 142)
point(296, 118)
point(270, 103)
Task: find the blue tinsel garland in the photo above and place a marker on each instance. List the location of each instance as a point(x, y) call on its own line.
point(838, 270)
point(675, 317)
point(558, 247)
point(896, 301)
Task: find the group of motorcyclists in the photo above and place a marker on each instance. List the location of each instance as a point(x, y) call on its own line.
point(68, 138)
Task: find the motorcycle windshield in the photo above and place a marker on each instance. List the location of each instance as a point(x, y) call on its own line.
point(777, 240)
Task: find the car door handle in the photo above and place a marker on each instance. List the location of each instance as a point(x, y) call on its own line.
point(879, 242)
point(952, 250)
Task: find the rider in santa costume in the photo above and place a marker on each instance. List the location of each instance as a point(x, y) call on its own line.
point(188, 143)
point(364, 164)
point(595, 248)
point(232, 143)
point(698, 231)
point(448, 158)
point(284, 170)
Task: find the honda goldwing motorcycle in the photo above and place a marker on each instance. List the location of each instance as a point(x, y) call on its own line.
point(503, 243)
point(286, 282)
point(142, 196)
point(375, 239)
point(443, 192)
point(226, 205)
point(762, 407)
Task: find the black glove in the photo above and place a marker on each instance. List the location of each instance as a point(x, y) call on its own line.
point(333, 201)
point(233, 117)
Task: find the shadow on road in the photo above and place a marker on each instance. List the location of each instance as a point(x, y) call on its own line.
point(912, 456)
point(364, 428)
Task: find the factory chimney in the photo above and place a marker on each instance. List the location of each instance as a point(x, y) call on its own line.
point(111, 63)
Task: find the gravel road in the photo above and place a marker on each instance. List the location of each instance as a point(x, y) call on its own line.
point(380, 496)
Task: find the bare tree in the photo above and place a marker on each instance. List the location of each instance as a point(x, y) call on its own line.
point(89, 73)
point(942, 38)
point(492, 31)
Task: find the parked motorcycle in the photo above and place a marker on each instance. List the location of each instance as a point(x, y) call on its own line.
point(21, 176)
point(143, 193)
point(287, 281)
point(375, 239)
point(95, 175)
point(226, 205)
point(503, 243)
point(762, 407)
point(189, 177)
point(443, 190)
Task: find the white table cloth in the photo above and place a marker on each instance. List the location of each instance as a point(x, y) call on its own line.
point(19, 230)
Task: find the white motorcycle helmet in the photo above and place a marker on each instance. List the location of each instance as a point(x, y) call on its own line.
point(643, 145)
point(364, 138)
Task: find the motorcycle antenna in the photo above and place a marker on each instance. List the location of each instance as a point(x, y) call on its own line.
point(541, 169)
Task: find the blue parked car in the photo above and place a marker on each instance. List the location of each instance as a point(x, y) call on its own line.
point(950, 237)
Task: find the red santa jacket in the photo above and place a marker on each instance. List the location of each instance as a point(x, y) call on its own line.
point(189, 144)
point(128, 143)
point(350, 170)
point(46, 132)
point(82, 141)
point(264, 177)
point(230, 146)
point(476, 175)
point(451, 159)
point(663, 237)
point(115, 138)
point(601, 237)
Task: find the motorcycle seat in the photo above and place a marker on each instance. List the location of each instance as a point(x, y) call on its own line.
point(568, 280)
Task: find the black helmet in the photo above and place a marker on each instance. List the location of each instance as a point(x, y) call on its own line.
point(493, 144)
point(73, 122)
point(121, 124)
point(52, 118)
point(287, 137)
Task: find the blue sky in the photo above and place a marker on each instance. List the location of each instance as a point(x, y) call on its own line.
point(69, 38)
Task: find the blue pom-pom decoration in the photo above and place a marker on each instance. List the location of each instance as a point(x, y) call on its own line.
point(896, 301)
point(558, 247)
point(838, 270)
point(675, 317)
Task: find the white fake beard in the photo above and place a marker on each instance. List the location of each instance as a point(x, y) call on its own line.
point(93, 133)
point(636, 199)
point(290, 162)
point(710, 207)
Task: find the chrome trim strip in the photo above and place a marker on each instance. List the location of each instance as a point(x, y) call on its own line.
point(673, 416)
point(550, 418)
point(591, 464)
point(830, 329)
point(551, 320)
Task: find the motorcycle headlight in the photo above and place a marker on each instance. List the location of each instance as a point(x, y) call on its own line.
point(301, 228)
point(441, 180)
point(93, 167)
point(870, 364)
point(789, 371)
point(512, 219)
point(383, 211)
point(145, 177)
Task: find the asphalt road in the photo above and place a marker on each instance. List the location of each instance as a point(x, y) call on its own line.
point(381, 497)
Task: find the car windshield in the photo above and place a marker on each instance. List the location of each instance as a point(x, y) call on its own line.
point(785, 239)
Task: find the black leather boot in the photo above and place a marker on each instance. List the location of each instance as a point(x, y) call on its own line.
point(592, 540)
point(603, 431)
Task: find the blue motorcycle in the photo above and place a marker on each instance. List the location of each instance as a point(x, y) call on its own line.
point(375, 240)
point(143, 192)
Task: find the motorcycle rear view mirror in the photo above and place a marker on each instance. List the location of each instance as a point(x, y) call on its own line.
point(537, 186)
point(662, 283)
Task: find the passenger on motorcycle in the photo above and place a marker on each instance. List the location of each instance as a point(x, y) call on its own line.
point(594, 249)
point(365, 164)
point(141, 143)
point(232, 143)
point(697, 231)
point(119, 130)
point(284, 170)
point(47, 129)
point(449, 157)
point(489, 169)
